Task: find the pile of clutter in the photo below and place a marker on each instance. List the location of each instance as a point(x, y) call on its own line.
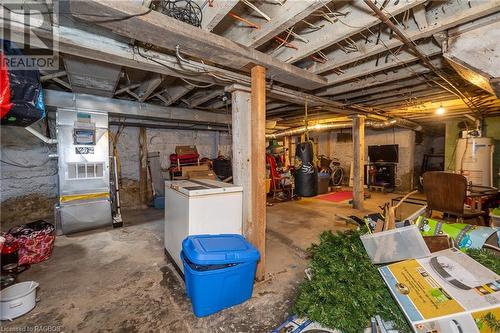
point(424, 265)
point(21, 247)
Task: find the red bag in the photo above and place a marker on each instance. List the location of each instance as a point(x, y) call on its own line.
point(35, 240)
point(5, 103)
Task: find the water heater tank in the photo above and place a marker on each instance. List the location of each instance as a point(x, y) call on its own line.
point(474, 159)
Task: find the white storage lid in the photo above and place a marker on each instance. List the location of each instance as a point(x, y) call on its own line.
point(194, 187)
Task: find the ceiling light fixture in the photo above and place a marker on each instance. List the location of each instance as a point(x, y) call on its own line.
point(440, 110)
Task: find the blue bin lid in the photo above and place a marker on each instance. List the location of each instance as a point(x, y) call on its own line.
point(218, 249)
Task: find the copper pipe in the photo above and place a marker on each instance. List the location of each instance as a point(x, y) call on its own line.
point(239, 18)
point(284, 42)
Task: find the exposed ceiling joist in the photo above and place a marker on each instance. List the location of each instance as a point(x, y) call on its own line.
point(411, 98)
point(169, 33)
point(176, 92)
point(374, 65)
point(399, 92)
point(282, 17)
point(456, 12)
point(148, 86)
point(381, 78)
point(204, 96)
point(213, 15)
point(50, 76)
point(93, 46)
point(409, 82)
point(359, 18)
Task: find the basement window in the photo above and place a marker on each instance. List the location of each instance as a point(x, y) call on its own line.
point(85, 170)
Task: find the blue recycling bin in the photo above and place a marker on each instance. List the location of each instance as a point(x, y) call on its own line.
point(219, 271)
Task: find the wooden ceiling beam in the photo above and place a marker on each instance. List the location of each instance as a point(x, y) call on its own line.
point(366, 93)
point(379, 79)
point(169, 33)
point(282, 17)
point(414, 98)
point(374, 65)
point(213, 15)
point(173, 92)
point(91, 45)
point(360, 18)
point(205, 96)
point(445, 16)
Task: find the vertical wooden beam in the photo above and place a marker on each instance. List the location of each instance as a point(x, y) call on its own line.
point(143, 161)
point(328, 148)
point(217, 144)
point(257, 231)
point(286, 145)
point(358, 126)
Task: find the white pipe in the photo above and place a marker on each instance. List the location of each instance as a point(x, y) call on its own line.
point(41, 136)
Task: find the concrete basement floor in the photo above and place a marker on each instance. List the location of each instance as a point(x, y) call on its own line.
point(118, 280)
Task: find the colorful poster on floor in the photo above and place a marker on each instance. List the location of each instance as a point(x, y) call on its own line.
point(447, 292)
point(465, 235)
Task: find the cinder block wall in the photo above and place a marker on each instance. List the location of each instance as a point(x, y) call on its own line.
point(329, 145)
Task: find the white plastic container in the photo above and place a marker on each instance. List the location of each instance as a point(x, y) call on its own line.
point(395, 245)
point(17, 300)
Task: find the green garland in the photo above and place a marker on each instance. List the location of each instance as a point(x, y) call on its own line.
point(346, 289)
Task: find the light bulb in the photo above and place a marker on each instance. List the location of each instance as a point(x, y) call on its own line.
point(440, 110)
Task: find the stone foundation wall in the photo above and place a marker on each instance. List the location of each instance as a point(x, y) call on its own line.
point(28, 188)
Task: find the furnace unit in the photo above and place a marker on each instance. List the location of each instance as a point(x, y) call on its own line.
point(84, 170)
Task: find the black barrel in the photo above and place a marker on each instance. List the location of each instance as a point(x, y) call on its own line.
point(306, 175)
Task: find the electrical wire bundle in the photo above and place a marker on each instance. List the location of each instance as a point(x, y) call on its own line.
point(183, 10)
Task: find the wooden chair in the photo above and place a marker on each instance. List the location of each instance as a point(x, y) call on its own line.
point(446, 192)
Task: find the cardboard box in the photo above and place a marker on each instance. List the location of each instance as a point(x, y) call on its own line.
point(186, 150)
point(188, 168)
point(447, 292)
point(207, 174)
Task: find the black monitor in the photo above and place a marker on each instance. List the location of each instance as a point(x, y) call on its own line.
point(384, 153)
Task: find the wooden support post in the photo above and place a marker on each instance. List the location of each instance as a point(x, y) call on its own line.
point(248, 165)
point(217, 144)
point(286, 145)
point(257, 231)
point(143, 173)
point(358, 126)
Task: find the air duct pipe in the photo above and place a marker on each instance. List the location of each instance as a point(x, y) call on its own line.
point(343, 125)
point(41, 136)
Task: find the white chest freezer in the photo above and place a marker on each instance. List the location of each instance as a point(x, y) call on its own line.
point(195, 207)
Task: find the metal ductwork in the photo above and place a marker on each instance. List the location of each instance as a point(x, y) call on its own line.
point(343, 125)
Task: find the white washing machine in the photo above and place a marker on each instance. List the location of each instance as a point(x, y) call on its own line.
point(201, 206)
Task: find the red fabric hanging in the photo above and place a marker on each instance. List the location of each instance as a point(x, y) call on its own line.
point(5, 103)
